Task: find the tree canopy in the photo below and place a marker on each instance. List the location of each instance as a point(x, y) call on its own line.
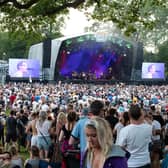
point(33, 15)
point(129, 15)
point(30, 21)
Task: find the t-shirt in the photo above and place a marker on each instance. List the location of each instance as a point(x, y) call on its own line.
point(43, 130)
point(33, 162)
point(156, 126)
point(118, 128)
point(79, 132)
point(136, 139)
point(2, 123)
point(11, 125)
point(17, 162)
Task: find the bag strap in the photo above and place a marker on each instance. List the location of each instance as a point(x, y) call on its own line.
point(21, 123)
point(44, 137)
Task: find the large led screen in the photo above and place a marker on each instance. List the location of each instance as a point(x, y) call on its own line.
point(152, 70)
point(24, 68)
point(84, 57)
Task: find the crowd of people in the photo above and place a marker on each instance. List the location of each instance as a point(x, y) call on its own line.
point(116, 126)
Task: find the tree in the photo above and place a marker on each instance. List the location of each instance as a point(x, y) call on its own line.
point(11, 47)
point(33, 15)
point(162, 54)
point(17, 44)
point(145, 21)
point(129, 15)
point(140, 19)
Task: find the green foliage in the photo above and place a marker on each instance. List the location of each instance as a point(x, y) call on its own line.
point(31, 16)
point(163, 51)
point(150, 57)
point(17, 44)
point(163, 54)
point(26, 26)
point(12, 46)
point(131, 15)
point(30, 21)
point(160, 56)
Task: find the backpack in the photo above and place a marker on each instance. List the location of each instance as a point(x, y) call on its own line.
point(65, 146)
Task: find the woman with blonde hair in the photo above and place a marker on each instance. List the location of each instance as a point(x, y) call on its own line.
point(43, 126)
point(65, 135)
point(61, 120)
point(67, 128)
point(101, 152)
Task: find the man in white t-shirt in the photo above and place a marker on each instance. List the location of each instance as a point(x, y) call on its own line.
point(136, 138)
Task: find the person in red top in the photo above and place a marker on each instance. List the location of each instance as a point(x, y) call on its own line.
point(12, 98)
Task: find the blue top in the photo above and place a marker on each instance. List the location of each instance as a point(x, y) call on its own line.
point(165, 162)
point(78, 132)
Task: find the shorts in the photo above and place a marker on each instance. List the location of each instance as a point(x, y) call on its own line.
point(10, 137)
point(157, 146)
point(28, 137)
point(34, 140)
point(44, 142)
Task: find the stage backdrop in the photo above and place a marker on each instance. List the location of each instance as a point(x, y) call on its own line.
point(110, 59)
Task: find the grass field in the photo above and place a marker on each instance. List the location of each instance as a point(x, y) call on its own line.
point(23, 153)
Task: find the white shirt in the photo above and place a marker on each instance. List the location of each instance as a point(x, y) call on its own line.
point(156, 126)
point(44, 128)
point(44, 107)
point(34, 104)
point(136, 138)
point(118, 128)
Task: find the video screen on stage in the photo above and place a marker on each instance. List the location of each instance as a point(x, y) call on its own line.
point(24, 68)
point(85, 58)
point(152, 70)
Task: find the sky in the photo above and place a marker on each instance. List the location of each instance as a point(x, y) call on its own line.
point(76, 23)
